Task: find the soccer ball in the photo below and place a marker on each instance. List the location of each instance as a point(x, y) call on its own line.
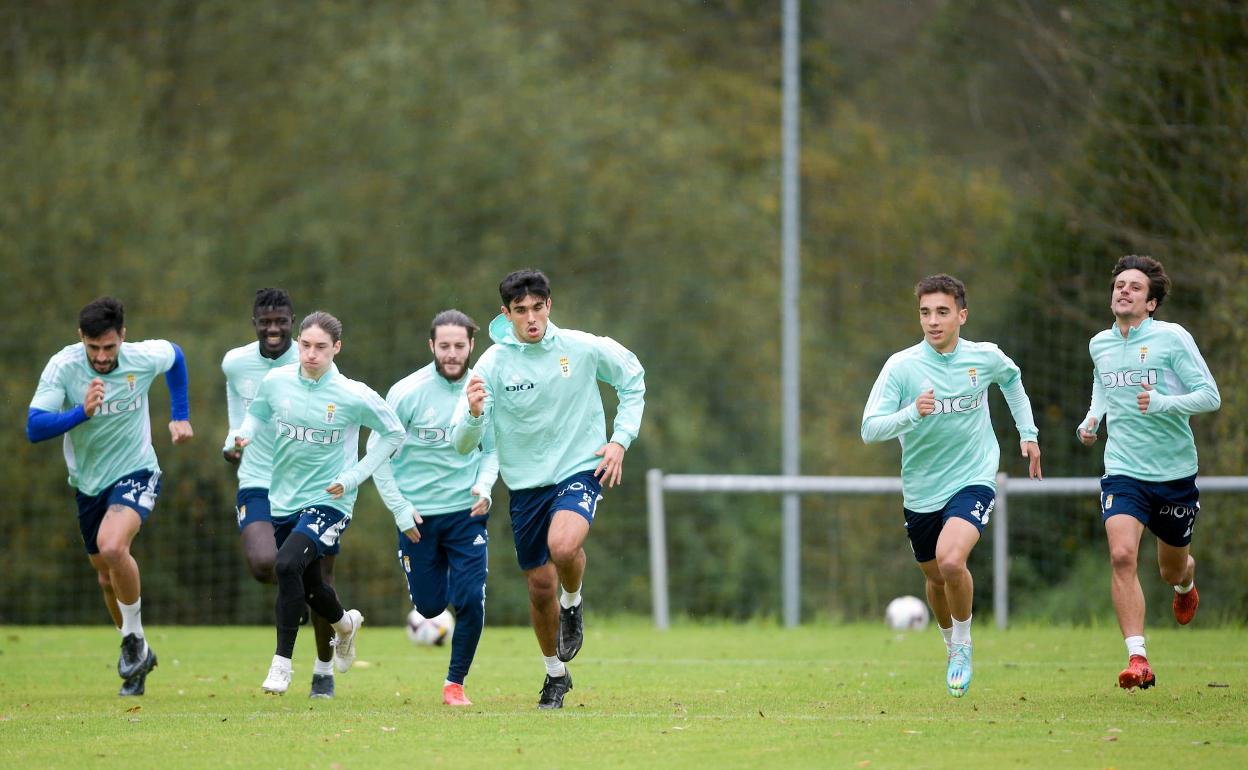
point(429, 632)
point(906, 613)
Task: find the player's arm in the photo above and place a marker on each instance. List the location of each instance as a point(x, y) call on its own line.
point(234, 408)
point(44, 418)
point(381, 419)
point(1087, 428)
point(258, 415)
point(471, 419)
point(487, 474)
point(1193, 372)
point(405, 515)
point(619, 368)
point(1020, 408)
point(179, 401)
point(884, 417)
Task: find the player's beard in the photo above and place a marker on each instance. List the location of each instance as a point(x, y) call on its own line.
point(445, 375)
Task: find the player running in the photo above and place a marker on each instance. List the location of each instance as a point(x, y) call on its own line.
point(441, 499)
point(933, 397)
point(1148, 377)
point(537, 390)
point(95, 393)
point(272, 316)
point(315, 414)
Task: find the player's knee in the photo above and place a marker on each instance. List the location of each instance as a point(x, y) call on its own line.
point(263, 569)
point(564, 552)
point(951, 566)
point(430, 609)
point(542, 585)
point(113, 553)
point(1122, 558)
point(289, 564)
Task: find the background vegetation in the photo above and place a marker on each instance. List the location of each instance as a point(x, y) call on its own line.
point(385, 160)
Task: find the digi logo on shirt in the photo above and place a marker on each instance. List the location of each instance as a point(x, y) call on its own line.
point(1131, 378)
point(431, 435)
point(120, 407)
point(308, 435)
point(955, 404)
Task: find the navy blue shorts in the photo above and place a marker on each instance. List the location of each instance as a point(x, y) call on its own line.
point(137, 491)
point(533, 509)
point(1167, 508)
point(449, 564)
point(320, 523)
point(973, 504)
point(252, 505)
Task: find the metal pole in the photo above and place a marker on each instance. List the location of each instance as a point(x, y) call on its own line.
point(656, 520)
point(790, 340)
point(1001, 553)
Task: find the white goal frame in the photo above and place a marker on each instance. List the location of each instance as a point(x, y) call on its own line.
point(658, 484)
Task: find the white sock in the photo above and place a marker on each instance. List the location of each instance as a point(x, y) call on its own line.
point(1185, 589)
point(961, 631)
point(554, 666)
point(1135, 646)
point(570, 598)
point(323, 668)
point(131, 622)
point(278, 660)
point(946, 634)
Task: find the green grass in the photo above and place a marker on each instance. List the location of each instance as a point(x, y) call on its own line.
point(721, 696)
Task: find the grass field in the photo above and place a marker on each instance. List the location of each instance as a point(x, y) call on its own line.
point(721, 696)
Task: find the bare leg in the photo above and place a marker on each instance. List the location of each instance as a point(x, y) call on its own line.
point(936, 593)
point(544, 606)
point(1123, 533)
point(565, 539)
point(260, 550)
point(957, 538)
point(117, 532)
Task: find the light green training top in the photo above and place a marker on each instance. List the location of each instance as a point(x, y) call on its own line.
point(244, 368)
point(543, 405)
point(316, 432)
point(953, 447)
point(117, 441)
point(1158, 445)
point(427, 476)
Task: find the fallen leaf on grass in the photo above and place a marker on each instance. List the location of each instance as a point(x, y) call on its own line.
point(1218, 684)
point(133, 709)
point(388, 729)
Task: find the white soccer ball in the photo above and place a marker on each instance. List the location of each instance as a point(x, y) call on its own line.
point(429, 632)
point(906, 613)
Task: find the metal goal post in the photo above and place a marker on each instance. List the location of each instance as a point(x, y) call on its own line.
point(658, 484)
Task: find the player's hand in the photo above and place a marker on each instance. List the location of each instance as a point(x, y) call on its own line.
point(94, 398)
point(1143, 397)
point(336, 490)
point(476, 395)
point(180, 431)
point(926, 402)
point(413, 534)
point(239, 443)
point(1087, 432)
point(611, 468)
point(1031, 450)
point(481, 505)
point(232, 456)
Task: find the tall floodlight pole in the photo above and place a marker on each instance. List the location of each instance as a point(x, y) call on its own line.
point(790, 354)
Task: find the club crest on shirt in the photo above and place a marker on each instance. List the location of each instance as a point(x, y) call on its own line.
point(329, 412)
point(974, 375)
point(130, 382)
point(565, 368)
point(1143, 353)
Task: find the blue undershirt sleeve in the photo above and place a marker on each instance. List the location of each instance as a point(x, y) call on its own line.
point(42, 425)
point(176, 379)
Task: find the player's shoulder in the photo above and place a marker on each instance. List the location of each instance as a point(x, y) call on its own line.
point(65, 358)
point(1171, 330)
point(240, 355)
point(147, 352)
point(411, 384)
point(905, 357)
point(356, 389)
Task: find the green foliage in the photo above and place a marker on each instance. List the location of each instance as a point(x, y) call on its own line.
point(386, 160)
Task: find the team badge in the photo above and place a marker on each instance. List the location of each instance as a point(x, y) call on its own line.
point(329, 413)
point(565, 368)
point(130, 382)
point(1143, 353)
point(974, 377)
point(1109, 502)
